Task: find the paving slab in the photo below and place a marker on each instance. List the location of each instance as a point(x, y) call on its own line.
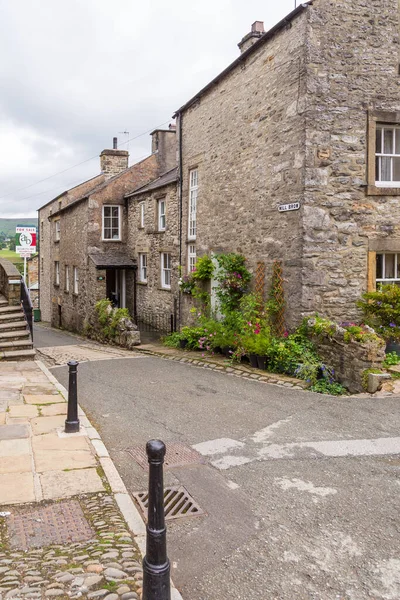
point(61, 460)
point(52, 410)
point(24, 410)
point(60, 484)
point(14, 447)
point(8, 395)
point(43, 388)
point(51, 441)
point(2, 418)
point(16, 464)
point(13, 432)
point(16, 488)
point(43, 398)
point(46, 424)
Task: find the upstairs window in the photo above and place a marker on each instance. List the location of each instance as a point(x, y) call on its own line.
point(193, 187)
point(112, 223)
point(67, 279)
point(161, 215)
point(387, 158)
point(191, 258)
point(143, 268)
point(76, 280)
point(57, 230)
point(165, 270)
point(141, 214)
point(57, 272)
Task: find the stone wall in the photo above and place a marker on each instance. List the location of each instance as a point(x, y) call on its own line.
point(352, 71)
point(151, 297)
point(10, 282)
point(349, 360)
point(246, 138)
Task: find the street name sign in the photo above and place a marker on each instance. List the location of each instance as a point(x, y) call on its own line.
point(287, 207)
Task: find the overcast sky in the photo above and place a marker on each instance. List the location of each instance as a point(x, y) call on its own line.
point(76, 73)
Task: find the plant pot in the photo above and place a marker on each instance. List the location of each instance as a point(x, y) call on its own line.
point(183, 343)
point(253, 360)
point(393, 346)
point(244, 359)
point(262, 362)
point(227, 350)
point(218, 350)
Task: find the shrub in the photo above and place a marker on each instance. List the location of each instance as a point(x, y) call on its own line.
point(323, 386)
point(381, 310)
point(172, 340)
point(392, 358)
point(233, 279)
point(108, 320)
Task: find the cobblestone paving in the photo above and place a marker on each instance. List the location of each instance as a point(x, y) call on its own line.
point(108, 566)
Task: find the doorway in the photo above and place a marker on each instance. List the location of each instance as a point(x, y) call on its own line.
point(116, 287)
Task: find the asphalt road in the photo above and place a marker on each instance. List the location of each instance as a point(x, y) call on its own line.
point(300, 491)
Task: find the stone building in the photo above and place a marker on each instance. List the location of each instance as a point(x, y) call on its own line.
point(293, 153)
point(84, 255)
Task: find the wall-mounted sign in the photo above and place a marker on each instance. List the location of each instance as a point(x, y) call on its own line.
point(25, 241)
point(286, 207)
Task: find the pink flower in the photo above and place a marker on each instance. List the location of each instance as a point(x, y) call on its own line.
point(202, 354)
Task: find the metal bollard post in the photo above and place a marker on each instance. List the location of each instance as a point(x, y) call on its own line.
point(156, 568)
point(72, 421)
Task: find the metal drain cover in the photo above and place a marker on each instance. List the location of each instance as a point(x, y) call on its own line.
point(177, 455)
point(59, 523)
point(177, 503)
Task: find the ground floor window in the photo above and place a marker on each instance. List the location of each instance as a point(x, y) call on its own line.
point(143, 268)
point(57, 272)
point(67, 279)
point(165, 270)
point(76, 280)
point(387, 268)
point(191, 257)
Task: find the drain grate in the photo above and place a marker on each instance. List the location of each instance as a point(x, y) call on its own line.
point(178, 503)
point(59, 523)
point(177, 455)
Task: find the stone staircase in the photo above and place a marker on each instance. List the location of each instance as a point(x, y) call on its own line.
point(15, 339)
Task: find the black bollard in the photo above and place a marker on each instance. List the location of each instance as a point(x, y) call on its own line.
point(156, 568)
point(72, 421)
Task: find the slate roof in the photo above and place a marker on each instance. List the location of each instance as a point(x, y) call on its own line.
point(165, 179)
point(112, 261)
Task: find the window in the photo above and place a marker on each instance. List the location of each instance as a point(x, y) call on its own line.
point(57, 272)
point(76, 280)
point(193, 181)
point(143, 268)
point(141, 213)
point(161, 215)
point(387, 156)
point(387, 268)
point(111, 223)
point(191, 257)
point(57, 231)
point(165, 270)
point(67, 279)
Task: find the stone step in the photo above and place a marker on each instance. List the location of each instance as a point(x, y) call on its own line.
point(18, 355)
point(12, 325)
point(9, 336)
point(14, 316)
point(16, 345)
point(3, 303)
point(9, 309)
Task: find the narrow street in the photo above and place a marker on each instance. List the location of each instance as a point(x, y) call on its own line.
point(299, 492)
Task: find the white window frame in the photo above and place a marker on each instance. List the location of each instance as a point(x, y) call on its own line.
point(57, 230)
point(161, 212)
point(380, 156)
point(142, 212)
point(192, 257)
point(192, 212)
point(385, 280)
point(76, 280)
point(57, 272)
point(66, 278)
point(143, 267)
point(166, 270)
point(112, 227)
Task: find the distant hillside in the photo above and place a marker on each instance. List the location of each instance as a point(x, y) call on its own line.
point(7, 226)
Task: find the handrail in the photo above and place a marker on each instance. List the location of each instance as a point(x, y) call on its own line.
point(27, 306)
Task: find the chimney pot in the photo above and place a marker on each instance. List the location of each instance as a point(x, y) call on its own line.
point(257, 31)
point(258, 27)
point(115, 143)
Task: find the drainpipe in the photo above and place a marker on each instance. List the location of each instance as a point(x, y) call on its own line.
point(180, 211)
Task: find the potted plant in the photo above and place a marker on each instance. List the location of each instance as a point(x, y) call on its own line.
point(262, 346)
point(382, 312)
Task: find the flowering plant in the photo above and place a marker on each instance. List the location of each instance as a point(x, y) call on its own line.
point(186, 284)
point(382, 310)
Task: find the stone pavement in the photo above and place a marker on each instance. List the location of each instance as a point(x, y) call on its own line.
point(66, 519)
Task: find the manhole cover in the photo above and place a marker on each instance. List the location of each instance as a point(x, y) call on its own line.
point(177, 455)
point(177, 503)
point(59, 523)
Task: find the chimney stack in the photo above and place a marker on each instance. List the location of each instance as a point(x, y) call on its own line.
point(113, 162)
point(257, 31)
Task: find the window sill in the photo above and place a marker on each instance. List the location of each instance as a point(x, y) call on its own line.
point(57, 241)
point(119, 240)
point(66, 291)
point(374, 190)
point(141, 282)
point(57, 285)
point(164, 289)
point(75, 294)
